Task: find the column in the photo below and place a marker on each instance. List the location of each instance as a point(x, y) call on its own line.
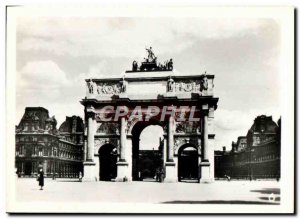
point(205, 138)
point(205, 164)
point(89, 164)
point(97, 167)
point(122, 165)
point(170, 154)
point(129, 157)
point(171, 169)
point(123, 139)
point(90, 141)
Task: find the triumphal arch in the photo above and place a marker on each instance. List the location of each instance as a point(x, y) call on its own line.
point(118, 109)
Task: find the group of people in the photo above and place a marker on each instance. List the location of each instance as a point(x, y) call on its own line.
point(159, 174)
point(40, 178)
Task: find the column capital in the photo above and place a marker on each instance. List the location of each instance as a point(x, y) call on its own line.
point(204, 107)
point(90, 111)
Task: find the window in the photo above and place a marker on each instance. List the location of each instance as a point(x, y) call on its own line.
point(21, 150)
point(40, 151)
point(34, 150)
point(25, 126)
point(17, 150)
point(55, 152)
point(45, 151)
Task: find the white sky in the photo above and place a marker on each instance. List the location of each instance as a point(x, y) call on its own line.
point(55, 55)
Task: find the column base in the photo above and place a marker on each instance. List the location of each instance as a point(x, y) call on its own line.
point(122, 172)
point(205, 173)
point(89, 172)
point(171, 171)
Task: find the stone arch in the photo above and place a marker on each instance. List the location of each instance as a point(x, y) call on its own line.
point(103, 141)
point(180, 144)
point(152, 121)
point(143, 124)
point(186, 145)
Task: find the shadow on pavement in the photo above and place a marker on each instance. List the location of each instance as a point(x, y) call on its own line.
point(239, 202)
point(268, 191)
point(189, 181)
point(65, 180)
point(277, 199)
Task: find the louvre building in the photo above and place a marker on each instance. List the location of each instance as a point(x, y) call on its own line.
point(254, 156)
point(39, 144)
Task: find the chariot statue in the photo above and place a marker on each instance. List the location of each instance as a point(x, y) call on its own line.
point(150, 63)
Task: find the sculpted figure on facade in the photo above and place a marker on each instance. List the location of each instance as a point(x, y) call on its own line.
point(123, 85)
point(171, 85)
point(187, 127)
point(109, 88)
point(109, 128)
point(204, 82)
point(151, 56)
point(170, 65)
point(187, 86)
point(90, 85)
point(99, 89)
point(134, 66)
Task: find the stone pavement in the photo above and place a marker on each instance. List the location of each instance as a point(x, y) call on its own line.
point(219, 192)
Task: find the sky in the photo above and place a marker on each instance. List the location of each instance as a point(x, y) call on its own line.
point(56, 54)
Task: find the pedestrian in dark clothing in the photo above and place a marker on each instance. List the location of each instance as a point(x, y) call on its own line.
point(41, 179)
point(80, 176)
point(157, 175)
point(162, 175)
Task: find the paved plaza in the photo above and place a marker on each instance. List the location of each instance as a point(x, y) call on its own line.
point(219, 192)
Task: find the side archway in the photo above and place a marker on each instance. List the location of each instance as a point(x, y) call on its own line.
point(188, 163)
point(108, 157)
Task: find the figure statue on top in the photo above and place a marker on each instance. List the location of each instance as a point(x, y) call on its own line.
point(151, 56)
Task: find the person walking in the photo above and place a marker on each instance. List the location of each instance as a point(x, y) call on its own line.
point(157, 175)
point(41, 179)
point(162, 175)
point(80, 176)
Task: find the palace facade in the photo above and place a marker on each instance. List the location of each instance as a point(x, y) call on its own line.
point(254, 156)
point(39, 144)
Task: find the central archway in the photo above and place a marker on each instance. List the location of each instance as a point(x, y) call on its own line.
point(147, 150)
point(108, 162)
point(188, 163)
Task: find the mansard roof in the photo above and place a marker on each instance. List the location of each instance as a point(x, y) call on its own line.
point(38, 115)
point(264, 124)
point(72, 124)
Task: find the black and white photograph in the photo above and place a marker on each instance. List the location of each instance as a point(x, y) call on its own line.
point(150, 109)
